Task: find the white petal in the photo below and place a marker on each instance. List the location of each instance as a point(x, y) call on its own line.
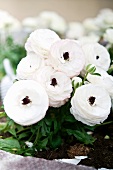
point(26, 102)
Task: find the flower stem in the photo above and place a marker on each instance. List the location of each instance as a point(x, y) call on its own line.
point(37, 137)
point(84, 78)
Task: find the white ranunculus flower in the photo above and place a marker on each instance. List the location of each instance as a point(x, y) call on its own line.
point(40, 41)
point(28, 66)
point(26, 102)
point(105, 80)
point(104, 19)
point(108, 36)
point(8, 22)
point(96, 54)
point(53, 21)
point(30, 23)
point(90, 25)
point(67, 56)
point(57, 85)
point(90, 104)
point(75, 30)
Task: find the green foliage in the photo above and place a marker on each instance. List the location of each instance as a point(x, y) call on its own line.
point(14, 52)
point(58, 127)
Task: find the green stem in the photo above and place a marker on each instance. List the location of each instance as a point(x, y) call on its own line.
point(37, 137)
point(23, 130)
point(106, 123)
point(84, 78)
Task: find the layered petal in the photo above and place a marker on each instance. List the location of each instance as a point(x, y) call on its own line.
point(67, 56)
point(90, 104)
point(26, 102)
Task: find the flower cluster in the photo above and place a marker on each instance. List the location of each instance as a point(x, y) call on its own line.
point(62, 88)
point(45, 80)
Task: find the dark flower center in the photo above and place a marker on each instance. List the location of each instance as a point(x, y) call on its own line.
point(54, 82)
point(91, 100)
point(66, 56)
point(97, 57)
point(26, 100)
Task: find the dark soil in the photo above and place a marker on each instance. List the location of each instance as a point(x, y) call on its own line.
point(100, 154)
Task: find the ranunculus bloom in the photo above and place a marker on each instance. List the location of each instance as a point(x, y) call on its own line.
point(57, 85)
point(40, 41)
point(75, 30)
point(104, 19)
point(90, 25)
point(105, 80)
point(26, 102)
point(29, 65)
point(108, 36)
point(96, 54)
point(67, 56)
point(90, 104)
point(53, 21)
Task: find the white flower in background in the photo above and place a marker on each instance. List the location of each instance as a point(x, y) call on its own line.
point(104, 19)
point(90, 104)
point(28, 66)
point(91, 38)
point(57, 85)
point(8, 22)
point(75, 30)
point(26, 102)
point(108, 36)
point(67, 56)
point(96, 54)
point(30, 23)
point(90, 25)
point(40, 41)
point(106, 11)
point(53, 21)
point(105, 80)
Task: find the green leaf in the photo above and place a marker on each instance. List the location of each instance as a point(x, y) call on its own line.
point(43, 143)
point(12, 131)
point(70, 118)
point(3, 126)
point(71, 132)
point(97, 74)
point(55, 141)
point(2, 114)
point(84, 137)
point(10, 143)
point(23, 135)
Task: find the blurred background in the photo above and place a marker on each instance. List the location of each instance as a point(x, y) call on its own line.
point(69, 9)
